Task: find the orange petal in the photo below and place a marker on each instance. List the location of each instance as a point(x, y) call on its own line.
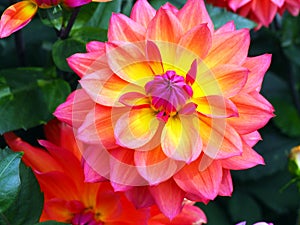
point(122, 28)
point(216, 106)
point(257, 66)
point(197, 40)
point(16, 17)
point(136, 128)
point(168, 197)
point(226, 80)
point(155, 166)
point(165, 26)
point(220, 139)
point(142, 12)
point(194, 13)
point(177, 135)
point(228, 48)
point(36, 158)
point(107, 88)
point(129, 62)
point(254, 112)
point(59, 185)
point(204, 184)
point(123, 172)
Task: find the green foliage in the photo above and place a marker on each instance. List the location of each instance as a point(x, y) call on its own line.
point(9, 177)
point(26, 206)
point(28, 97)
point(221, 16)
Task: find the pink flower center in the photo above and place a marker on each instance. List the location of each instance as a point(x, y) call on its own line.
point(169, 92)
point(85, 218)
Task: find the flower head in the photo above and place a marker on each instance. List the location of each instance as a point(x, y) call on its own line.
point(68, 198)
point(169, 104)
point(262, 12)
point(18, 15)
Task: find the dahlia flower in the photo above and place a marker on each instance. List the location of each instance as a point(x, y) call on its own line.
point(20, 14)
point(260, 11)
point(169, 105)
point(68, 198)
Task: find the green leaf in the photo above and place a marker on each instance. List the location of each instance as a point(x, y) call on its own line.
point(221, 16)
point(102, 14)
point(87, 34)
point(9, 177)
point(216, 215)
point(28, 206)
point(243, 207)
point(290, 40)
point(269, 191)
point(28, 97)
point(287, 117)
point(62, 49)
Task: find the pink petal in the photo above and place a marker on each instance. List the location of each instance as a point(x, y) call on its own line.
point(74, 110)
point(122, 28)
point(96, 46)
point(142, 12)
point(226, 186)
point(76, 3)
point(204, 184)
point(248, 159)
point(154, 58)
point(140, 197)
point(177, 135)
point(227, 27)
point(265, 11)
point(86, 63)
point(168, 197)
point(194, 13)
point(155, 166)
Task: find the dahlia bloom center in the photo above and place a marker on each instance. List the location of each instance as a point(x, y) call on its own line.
point(168, 93)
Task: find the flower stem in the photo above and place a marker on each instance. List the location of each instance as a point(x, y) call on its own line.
point(20, 47)
point(66, 31)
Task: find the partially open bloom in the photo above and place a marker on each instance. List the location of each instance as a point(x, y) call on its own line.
point(20, 14)
point(263, 11)
point(68, 198)
point(170, 104)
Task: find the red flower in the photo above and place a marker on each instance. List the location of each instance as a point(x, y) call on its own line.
point(260, 11)
point(68, 198)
